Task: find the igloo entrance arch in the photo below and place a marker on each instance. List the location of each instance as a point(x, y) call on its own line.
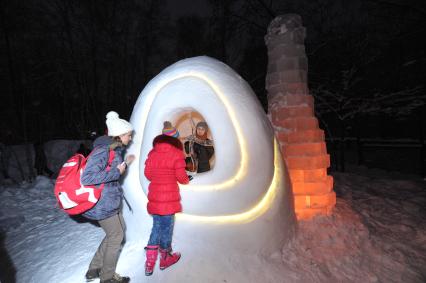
point(186, 122)
point(243, 205)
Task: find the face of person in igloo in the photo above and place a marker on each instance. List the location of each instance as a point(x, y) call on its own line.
point(201, 131)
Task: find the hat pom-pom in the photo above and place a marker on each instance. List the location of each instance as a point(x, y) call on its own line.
point(112, 115)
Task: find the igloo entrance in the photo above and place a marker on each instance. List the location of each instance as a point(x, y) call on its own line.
point(185, 122)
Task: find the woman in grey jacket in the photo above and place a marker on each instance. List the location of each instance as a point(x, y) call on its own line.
point(107, 210)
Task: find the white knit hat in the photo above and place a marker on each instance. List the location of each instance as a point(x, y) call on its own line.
point(117, 126)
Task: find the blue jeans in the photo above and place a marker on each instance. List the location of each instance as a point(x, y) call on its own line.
point(162, 231)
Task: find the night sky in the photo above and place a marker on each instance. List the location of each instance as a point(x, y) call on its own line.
point(65, 63)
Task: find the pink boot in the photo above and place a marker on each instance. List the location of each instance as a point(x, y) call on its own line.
point(151, 258)
point(168, 258)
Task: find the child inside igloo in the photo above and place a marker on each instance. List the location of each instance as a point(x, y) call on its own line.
point(197, 140)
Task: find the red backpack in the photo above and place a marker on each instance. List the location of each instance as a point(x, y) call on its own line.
point(72, 196)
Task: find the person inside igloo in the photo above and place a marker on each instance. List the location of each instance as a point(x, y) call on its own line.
point(197, 140)
point(199, 149)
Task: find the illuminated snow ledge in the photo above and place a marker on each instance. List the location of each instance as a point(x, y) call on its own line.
point(242, 208)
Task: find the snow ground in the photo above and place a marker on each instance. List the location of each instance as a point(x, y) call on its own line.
point(377, 233)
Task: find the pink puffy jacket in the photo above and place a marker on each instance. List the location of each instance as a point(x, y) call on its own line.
point(165, 167)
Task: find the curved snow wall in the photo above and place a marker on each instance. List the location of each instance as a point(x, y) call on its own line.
point(244, 204)
point(291, 109)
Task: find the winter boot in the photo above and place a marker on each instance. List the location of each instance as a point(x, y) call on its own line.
point(92, 274)
point(167, 258)
point(117, 278)
point(151, 258)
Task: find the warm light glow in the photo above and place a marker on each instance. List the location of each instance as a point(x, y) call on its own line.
point(242, 170)
point(258, 209)
point(261, 207)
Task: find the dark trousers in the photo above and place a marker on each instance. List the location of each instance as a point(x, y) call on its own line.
point(106, 257)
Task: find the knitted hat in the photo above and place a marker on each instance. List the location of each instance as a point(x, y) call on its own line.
point(169, 130)
point(117, 126)
point(203, 125)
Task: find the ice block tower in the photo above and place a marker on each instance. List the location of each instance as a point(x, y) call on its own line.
point(291, 110)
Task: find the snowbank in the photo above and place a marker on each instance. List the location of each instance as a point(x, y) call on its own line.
point(17, 162)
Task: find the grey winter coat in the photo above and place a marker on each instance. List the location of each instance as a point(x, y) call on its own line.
point(95, 173)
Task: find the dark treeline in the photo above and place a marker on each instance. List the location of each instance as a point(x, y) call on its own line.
point(65, 63)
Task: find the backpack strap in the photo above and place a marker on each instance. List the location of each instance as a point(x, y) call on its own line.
point(111, 155)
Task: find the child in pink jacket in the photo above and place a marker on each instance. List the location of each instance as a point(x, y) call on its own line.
point(164, 168)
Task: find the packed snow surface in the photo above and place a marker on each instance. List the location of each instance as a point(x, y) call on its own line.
point(377, 233)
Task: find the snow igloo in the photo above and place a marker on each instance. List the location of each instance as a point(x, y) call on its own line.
point(238, 213)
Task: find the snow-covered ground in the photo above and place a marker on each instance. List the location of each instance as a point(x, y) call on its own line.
point(376, 234)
